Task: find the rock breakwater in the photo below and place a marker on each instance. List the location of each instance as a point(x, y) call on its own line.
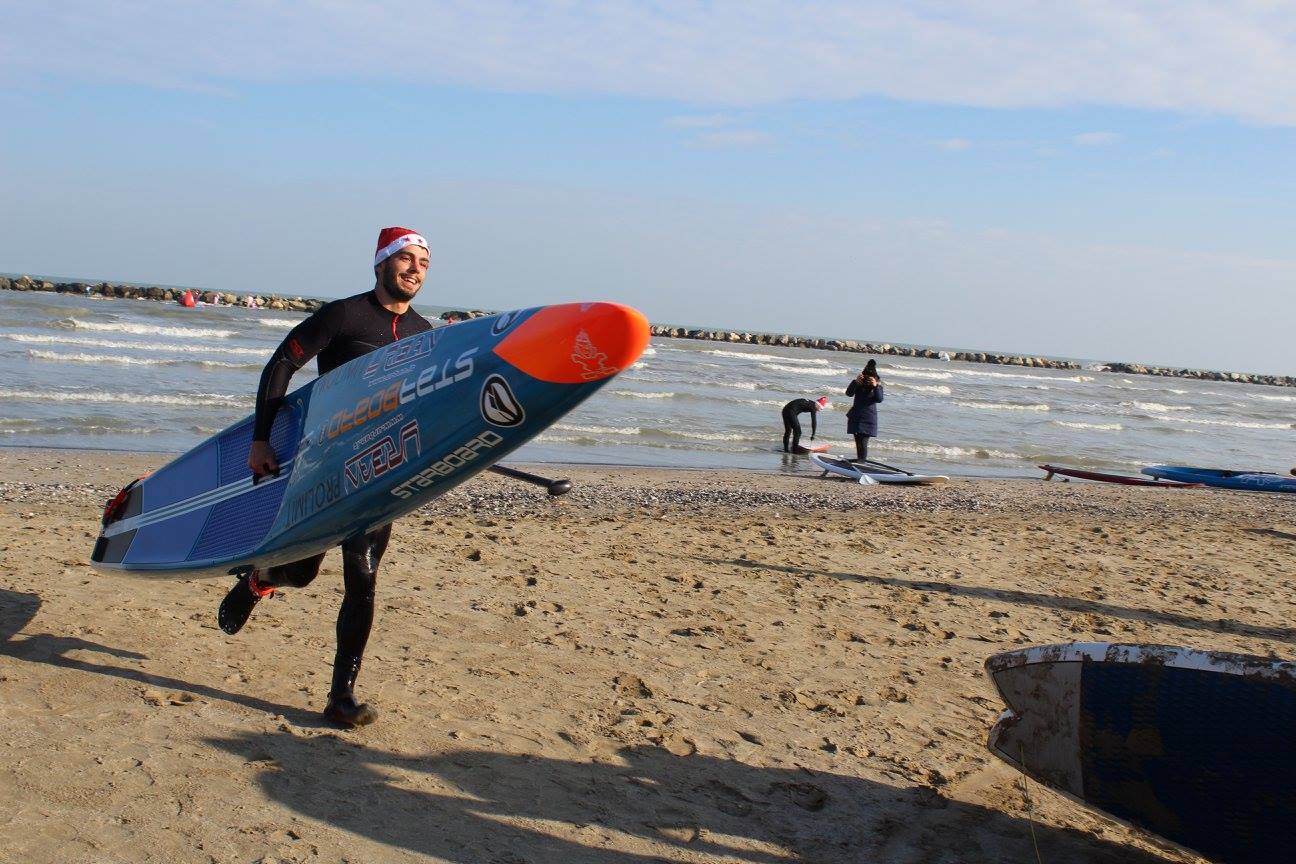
point(737, 337)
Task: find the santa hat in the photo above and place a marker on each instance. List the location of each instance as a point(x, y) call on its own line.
point(392, 240)
point(823, 401)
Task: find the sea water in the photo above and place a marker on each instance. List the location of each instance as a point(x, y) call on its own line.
point(81, 372)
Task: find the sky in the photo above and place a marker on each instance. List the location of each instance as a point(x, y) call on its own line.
point(1101, 180)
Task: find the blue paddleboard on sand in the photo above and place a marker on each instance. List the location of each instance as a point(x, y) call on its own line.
point(1195, 746)
point(374, 439)
point(1247, 481)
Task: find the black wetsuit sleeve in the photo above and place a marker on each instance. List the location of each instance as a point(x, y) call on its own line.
point(852, 387)
point(301, 344)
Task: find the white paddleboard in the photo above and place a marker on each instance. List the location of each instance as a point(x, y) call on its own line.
point(868, 473)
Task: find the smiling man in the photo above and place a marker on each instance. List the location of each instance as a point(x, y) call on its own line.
point(340, 331)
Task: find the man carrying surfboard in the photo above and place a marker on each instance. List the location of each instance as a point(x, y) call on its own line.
point(792, 422)
point(340, 331)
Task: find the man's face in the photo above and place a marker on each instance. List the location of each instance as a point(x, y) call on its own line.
point(402, 274)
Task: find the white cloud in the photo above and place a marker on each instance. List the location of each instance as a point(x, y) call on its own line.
point(956, 144)
point(1096, 139)
point(1229, 57)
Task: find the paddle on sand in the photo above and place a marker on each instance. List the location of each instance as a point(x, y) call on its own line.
point(553, 487)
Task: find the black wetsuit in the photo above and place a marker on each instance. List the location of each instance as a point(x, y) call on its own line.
point(792, 425)
point(340, 331)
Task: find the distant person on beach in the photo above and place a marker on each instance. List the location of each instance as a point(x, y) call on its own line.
point(861, 419)
point(792, 422)
point(338, 332)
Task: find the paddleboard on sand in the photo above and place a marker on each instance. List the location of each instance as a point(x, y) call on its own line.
point(1247, 481)
point(370, 441)
point(870, 472)
point(1194, 746)
point(1103, 477)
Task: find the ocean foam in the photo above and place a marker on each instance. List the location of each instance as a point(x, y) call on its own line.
point(934, 389)
point(1236, 424)
point(981, 373)
point(906, 372)
point(598, 430)
point(1156, 407)
point(799, 370)
point(947, 452)
point(1002, 406)
point(148, 329)
point(704, 436)
point(778, 358)
point(213, 400)
point(634, 394)
point(89, 342)
point(1100, 427)
point(284, 323)
point(99, 359)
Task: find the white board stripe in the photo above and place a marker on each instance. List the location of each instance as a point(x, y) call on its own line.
point(206, 499)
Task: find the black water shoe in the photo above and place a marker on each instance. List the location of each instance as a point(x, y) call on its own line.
point(346, 713)
point(237, 605)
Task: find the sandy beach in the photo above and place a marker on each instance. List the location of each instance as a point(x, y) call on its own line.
point(660, 666)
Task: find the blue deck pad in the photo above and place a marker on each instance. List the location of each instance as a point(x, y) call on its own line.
point(171, 540)
point(193, 473)
point(239, 525)
point(1187, 746)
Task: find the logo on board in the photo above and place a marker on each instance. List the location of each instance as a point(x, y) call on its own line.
point(504, 321)
point(499, 406)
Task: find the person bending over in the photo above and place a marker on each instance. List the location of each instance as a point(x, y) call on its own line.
point(861, 419)
point(340, 331)
point(792, 422)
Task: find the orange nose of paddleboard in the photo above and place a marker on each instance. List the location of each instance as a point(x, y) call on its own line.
point(576, 343)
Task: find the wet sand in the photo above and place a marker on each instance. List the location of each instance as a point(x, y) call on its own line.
point(659, 666)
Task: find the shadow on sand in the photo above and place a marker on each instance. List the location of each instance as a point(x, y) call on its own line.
point(1271, 532)
point(18, 609)
point(476, 806)
point(1028, 598)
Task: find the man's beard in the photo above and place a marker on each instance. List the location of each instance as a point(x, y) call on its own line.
point(393, 286)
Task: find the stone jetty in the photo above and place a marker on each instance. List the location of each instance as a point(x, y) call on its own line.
point(736, 337)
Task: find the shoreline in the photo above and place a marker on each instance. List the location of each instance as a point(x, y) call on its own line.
point(298, 303)
point(630, 466)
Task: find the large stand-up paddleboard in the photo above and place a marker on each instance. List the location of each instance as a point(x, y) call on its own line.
point(1194, 746)
point(1247, 481)
point(871, 472)
point(1123, 479)
point(370, 441)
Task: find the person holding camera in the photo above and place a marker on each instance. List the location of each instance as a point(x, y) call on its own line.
point(861, 419)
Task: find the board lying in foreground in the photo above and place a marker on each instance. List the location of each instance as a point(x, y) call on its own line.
point(370, 441)
point(1194, 746)
point(1123, 479)
point(1246, 481)
point(868, 472)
